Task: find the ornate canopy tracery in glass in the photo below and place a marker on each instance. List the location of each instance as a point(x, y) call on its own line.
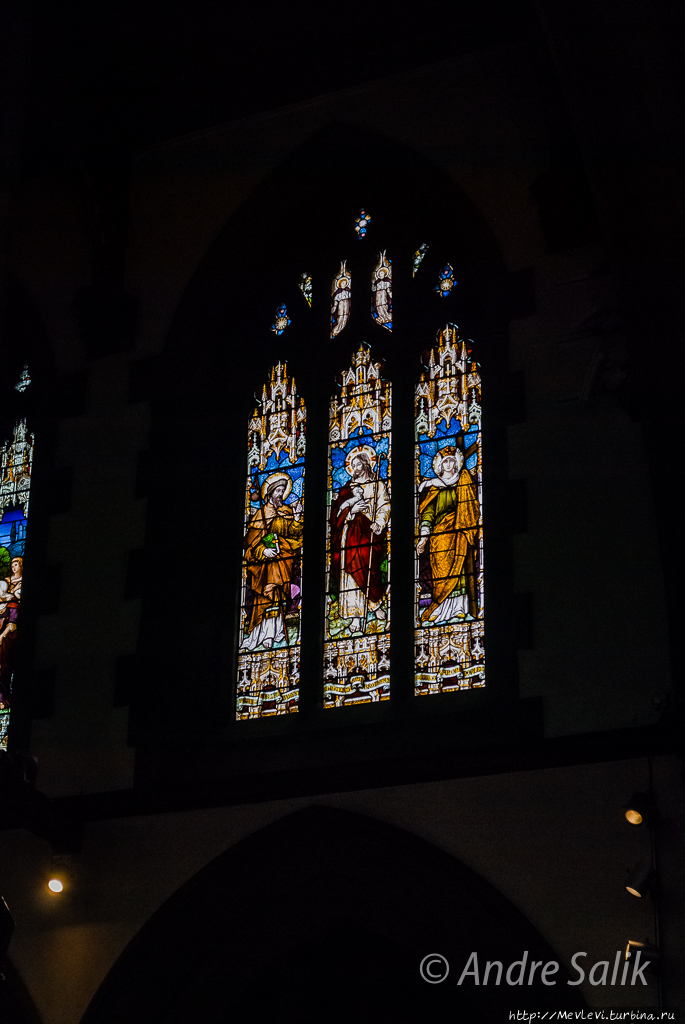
point(449, 624)
point(271, 596)
point(357, 626)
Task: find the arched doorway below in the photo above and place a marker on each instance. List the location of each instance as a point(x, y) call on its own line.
point(325, 915)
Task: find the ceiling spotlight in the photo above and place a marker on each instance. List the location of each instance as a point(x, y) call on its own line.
point(60, 873)
point(640, 809)
point(641, 880)
point(648, 953)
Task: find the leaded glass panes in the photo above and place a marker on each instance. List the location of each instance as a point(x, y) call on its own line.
point(446, 281)
point(306, 286)
point(417, 258)
point(381, 292)
point(16, 459)
point(270, 613)
point(341, 298)
point(281, 320)
point(361, 224)
point(449, 536)
point(357, 627)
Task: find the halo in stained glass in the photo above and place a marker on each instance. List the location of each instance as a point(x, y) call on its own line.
point(271, 595)
point(449, 582)
point(341, 299)
point(381, 292)
point(357, 627)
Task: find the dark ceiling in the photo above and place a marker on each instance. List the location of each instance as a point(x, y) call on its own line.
point(108, 77)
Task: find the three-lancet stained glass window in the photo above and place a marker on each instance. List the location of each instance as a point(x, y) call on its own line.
point(449, 522)
point(16, 458)
point(357, 626)
point(448, 542)
point(270, 612)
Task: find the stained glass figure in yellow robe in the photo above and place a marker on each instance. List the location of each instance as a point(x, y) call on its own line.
point(273, 539)
point(449, 515)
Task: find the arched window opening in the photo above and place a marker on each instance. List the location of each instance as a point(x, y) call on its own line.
point(357, 628)
point(449, 610)
point(448, 572)
point(16, 461)
point(271, 596)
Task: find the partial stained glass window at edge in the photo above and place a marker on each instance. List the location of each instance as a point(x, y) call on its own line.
point(16, 458)
point(271, 593)
point(449, 612)
point(357, 627)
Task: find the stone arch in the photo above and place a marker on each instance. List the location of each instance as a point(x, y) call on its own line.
point(324, 914)
point(218, 350)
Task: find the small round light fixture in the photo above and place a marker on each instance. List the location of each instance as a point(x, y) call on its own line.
point(641, 880)
point(648, 952)
point(59, 878)
point(639, 809)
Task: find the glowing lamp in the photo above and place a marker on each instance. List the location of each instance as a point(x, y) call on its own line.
point(638, 810)
point(641, 880)
point(648, 952)
point(59, 878)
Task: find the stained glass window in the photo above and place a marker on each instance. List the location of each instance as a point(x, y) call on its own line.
point(281, 320)
point(306, 287)
point(341, 297)
point(270, 613)
point(361, 224)
point(381, 292)
point(446, 281)
point(23, 381)
point(16, 459)
point(449, 536)
point(357, 628)
point(418, 257)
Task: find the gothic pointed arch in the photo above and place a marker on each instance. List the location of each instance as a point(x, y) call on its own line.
point(363, 898)
point(297, 225)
